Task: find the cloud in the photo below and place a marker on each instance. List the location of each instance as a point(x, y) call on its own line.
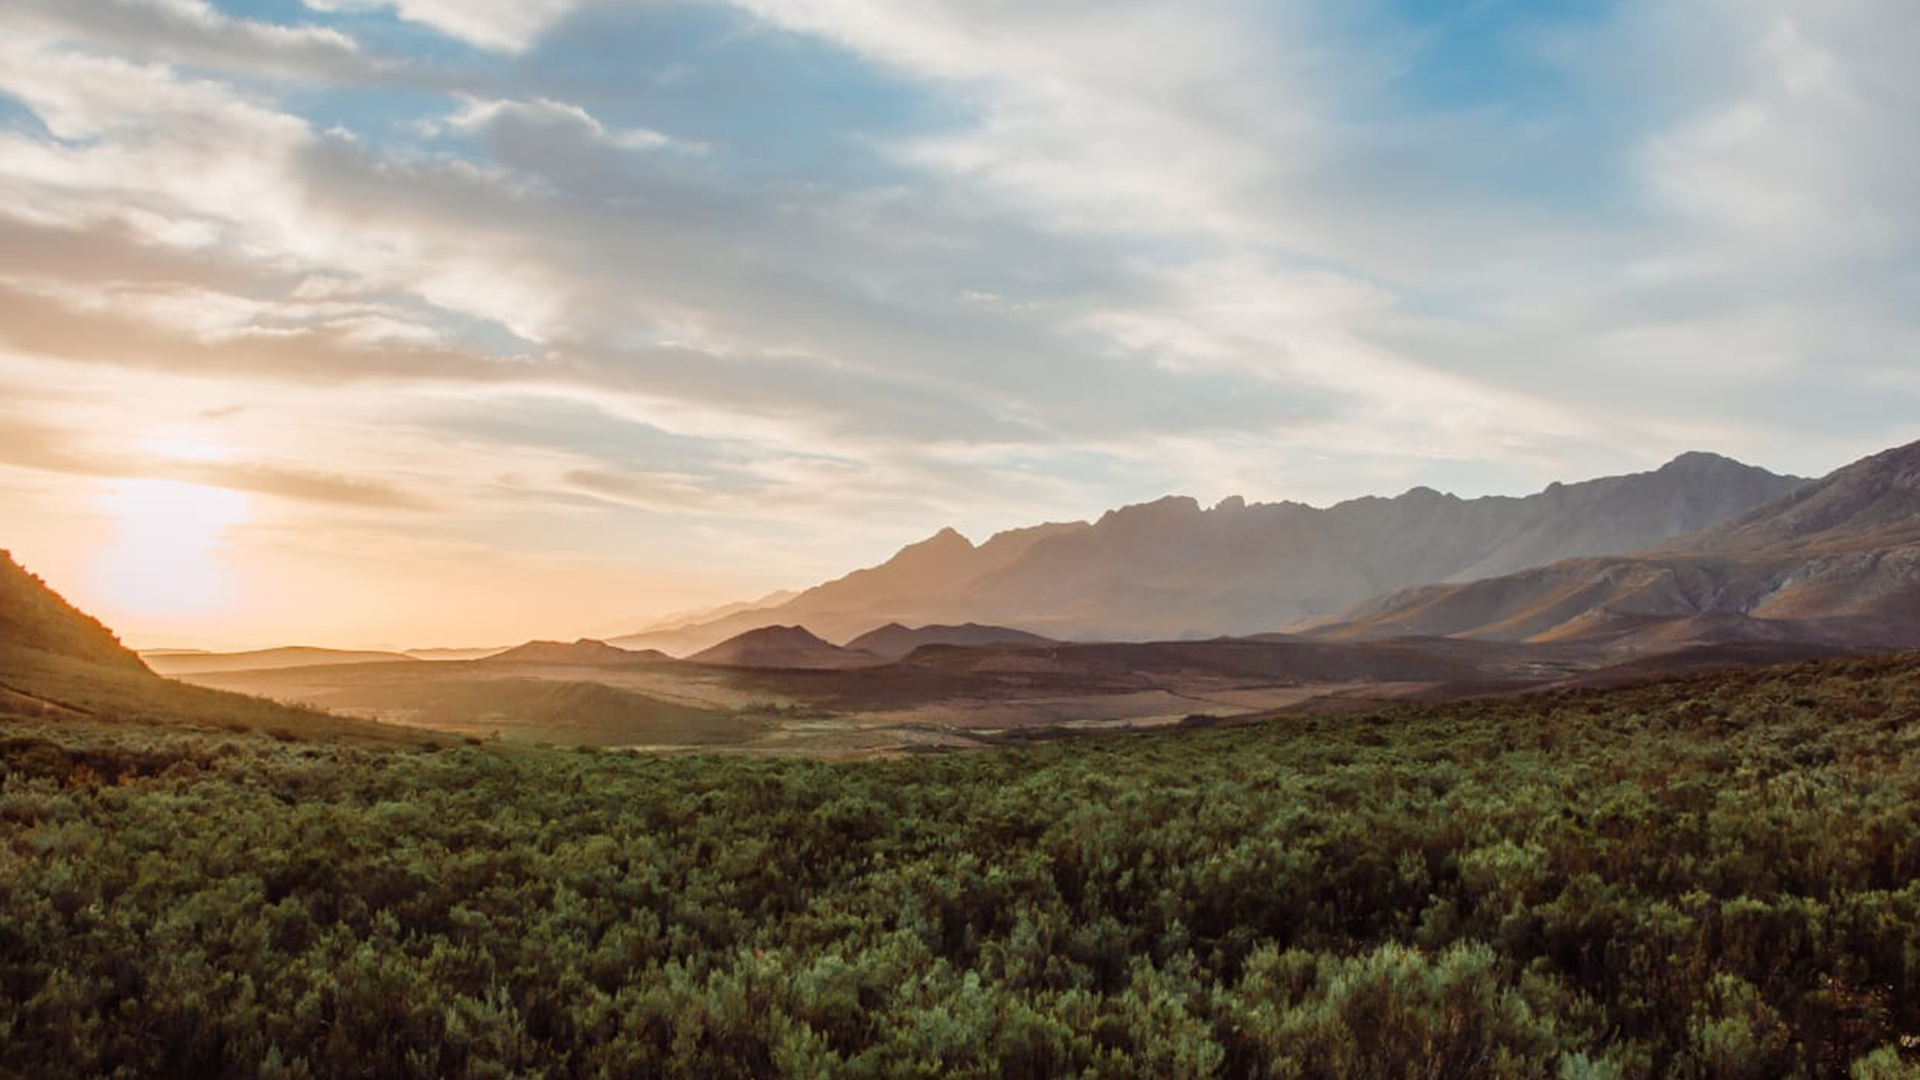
point(193, 31)
point(831, 261)
point(506, 26)
point(320, 487)
point(476, 114)
point(50, 448)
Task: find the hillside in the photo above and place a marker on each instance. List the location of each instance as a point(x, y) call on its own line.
point(1170, 569)
point(781, 647)
point(585, 652)
point(193, 663)
point(894, 641)
point(33, 616)
point(59, 665)
point(1836, 562)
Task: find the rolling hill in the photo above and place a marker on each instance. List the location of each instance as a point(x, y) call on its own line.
point(168, 662)
point(1836, 562)
point(895, 642)
point(60, 665)
point(585, 652)
point(782, 647)
point(1170, 569)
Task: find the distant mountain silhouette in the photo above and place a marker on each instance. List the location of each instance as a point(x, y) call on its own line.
point(1836, 562)
point(680, 620)
point(894, 641)
point(439, 654)
point(585, 652)
point(782, 647)
point(1170, 569)
point(173, 662)
point(33, 616)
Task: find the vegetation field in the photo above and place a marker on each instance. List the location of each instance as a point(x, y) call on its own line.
point(1714, 877)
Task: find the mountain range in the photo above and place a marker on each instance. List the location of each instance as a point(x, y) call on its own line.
point(1170, 569)
point(1837, 561)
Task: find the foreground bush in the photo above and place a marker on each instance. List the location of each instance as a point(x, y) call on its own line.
point(1709, 878)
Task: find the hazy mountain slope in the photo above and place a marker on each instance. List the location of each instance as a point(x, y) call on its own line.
point(1836, 562)
point(894, 641)
point(194, 663)
point(585, 652)
point(454, 654)
point(1172, 569)
point(782, 647)
point(680, 620)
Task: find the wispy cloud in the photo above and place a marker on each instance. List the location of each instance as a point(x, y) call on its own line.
point(766, 273)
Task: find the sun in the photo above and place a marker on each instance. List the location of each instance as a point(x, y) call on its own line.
point(167, 558)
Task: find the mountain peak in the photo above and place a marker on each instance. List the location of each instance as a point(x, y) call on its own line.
point(781, 647)
point(1166, 507)
point(948, 540)
point(1700, 460)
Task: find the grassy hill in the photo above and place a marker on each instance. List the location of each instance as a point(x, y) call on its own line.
point(33, 616)
point(1710, 877)
point(59, 664)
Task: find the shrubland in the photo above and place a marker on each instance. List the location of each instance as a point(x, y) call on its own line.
point(1713, 877)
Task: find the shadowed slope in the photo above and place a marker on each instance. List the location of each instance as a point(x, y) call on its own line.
point(33, 616)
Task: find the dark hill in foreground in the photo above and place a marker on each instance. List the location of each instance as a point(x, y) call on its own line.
point(58, 664)
point(33, 616)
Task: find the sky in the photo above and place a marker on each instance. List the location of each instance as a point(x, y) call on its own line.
point(419, 322)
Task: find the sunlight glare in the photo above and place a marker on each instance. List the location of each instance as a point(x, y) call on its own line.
point(166, 558)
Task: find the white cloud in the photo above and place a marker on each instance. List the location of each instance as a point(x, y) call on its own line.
point(194, 31)
point(477, 114)
point(507, 26)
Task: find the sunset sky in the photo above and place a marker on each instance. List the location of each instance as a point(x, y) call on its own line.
point(420, 322)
